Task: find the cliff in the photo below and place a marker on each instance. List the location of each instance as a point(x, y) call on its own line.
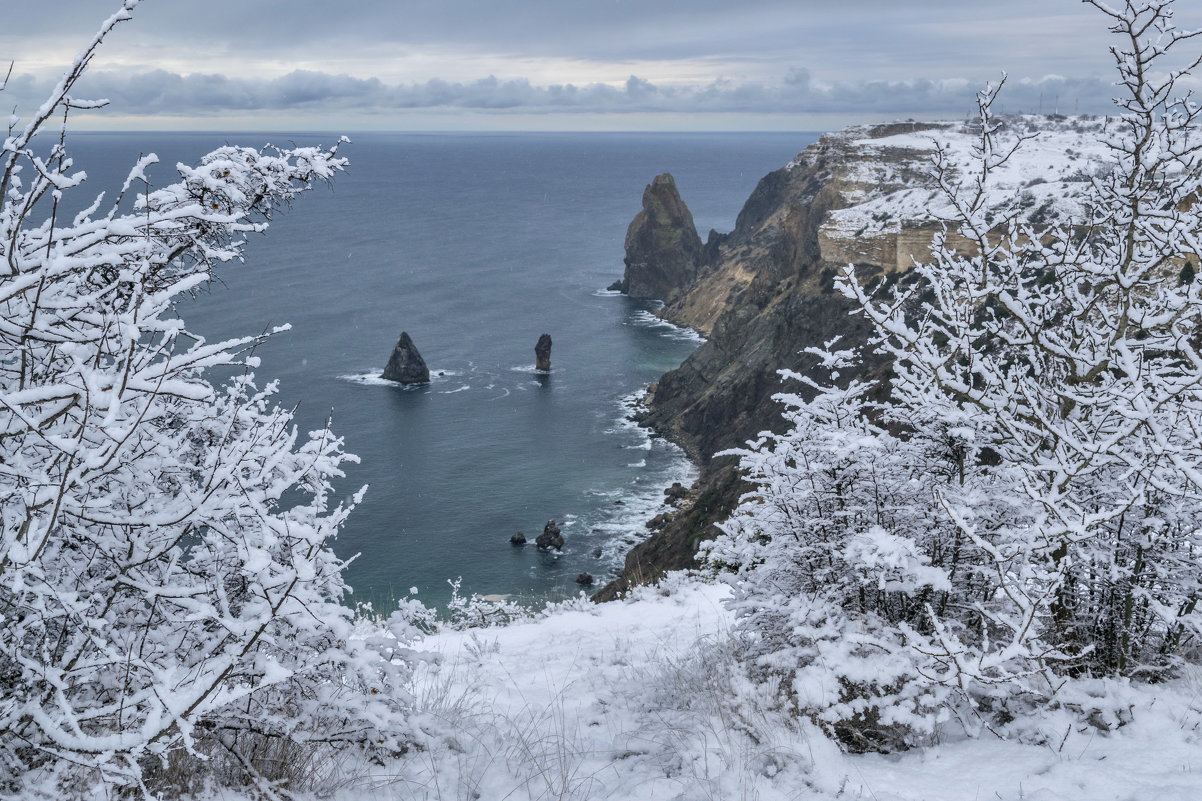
point(764, 292)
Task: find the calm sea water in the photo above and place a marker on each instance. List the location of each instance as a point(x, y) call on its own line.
point(475, 244)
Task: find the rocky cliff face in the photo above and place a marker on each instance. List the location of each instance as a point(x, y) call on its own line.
point(765, 291)
point(663, 250)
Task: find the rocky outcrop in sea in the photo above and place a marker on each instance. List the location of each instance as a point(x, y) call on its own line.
point(406, 365)
point(542, 353)
point(551, 539)
point(663, 250)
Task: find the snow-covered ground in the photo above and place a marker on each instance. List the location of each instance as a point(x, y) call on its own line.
point(1049, 174)
point(644, 700)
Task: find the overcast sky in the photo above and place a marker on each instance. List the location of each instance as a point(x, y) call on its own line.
point(560, 64)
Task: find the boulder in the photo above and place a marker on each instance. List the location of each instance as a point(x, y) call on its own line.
point(584, 578)
point(659, 521)
point(542, 353)
point(676, 493)
point(518, 539)
point(406, 365)
point(663, 251)
point(551, 538)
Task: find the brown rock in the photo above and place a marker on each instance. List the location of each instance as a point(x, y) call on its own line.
point(663, 251)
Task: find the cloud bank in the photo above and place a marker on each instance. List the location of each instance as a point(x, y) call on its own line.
point(160, 92)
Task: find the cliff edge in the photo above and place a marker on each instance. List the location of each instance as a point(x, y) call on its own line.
point(765, 291)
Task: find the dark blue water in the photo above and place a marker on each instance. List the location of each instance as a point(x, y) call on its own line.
point(475, 245)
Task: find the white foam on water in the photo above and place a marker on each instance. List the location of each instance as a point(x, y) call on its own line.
point(372, 379)
point(619, 527)
point(463, 388)
point(375, 378)
point(530, 368)
point(645, 319)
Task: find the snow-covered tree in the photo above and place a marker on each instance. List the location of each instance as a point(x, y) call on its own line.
point(170, 608)
point(1026, 510)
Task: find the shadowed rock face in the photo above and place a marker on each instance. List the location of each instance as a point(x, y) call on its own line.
point(406, 365)
point(542, 353)
point(663, 250)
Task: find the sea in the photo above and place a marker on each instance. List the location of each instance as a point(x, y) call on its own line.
point(474, 244)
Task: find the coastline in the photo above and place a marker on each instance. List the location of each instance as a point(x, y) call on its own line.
point(646, 497)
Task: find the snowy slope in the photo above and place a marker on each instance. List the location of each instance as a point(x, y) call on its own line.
point(1051, 171)
point(643, 699)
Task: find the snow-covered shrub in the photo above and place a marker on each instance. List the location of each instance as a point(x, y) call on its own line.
point(1025, 511)
point(833, 556)
point(477, 612)
point(170, 607)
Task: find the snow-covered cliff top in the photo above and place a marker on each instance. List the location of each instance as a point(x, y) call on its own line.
point(886, 178)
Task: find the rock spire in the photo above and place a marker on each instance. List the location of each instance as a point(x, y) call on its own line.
point(542, 353)
point(663, 251)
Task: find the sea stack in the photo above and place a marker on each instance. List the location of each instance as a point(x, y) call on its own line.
point(542, 353)
point(663, 251)
point(406, 365)
point(551, 538)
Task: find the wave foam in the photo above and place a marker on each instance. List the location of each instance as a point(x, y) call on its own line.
point(619, 527)
point(645, 319)
point(375, 378)
point(530, 368)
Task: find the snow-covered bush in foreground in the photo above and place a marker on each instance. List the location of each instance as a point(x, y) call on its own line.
point(1020, 525)
point(170, 608)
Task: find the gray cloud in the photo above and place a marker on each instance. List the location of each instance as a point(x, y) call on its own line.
point(854, 38)
point(161, 92)
point(861, 58)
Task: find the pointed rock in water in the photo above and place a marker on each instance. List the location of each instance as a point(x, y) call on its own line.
point(663, 251)
point(551, 538)
point(518, 539)
point(406, 365)
point(542, 353)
